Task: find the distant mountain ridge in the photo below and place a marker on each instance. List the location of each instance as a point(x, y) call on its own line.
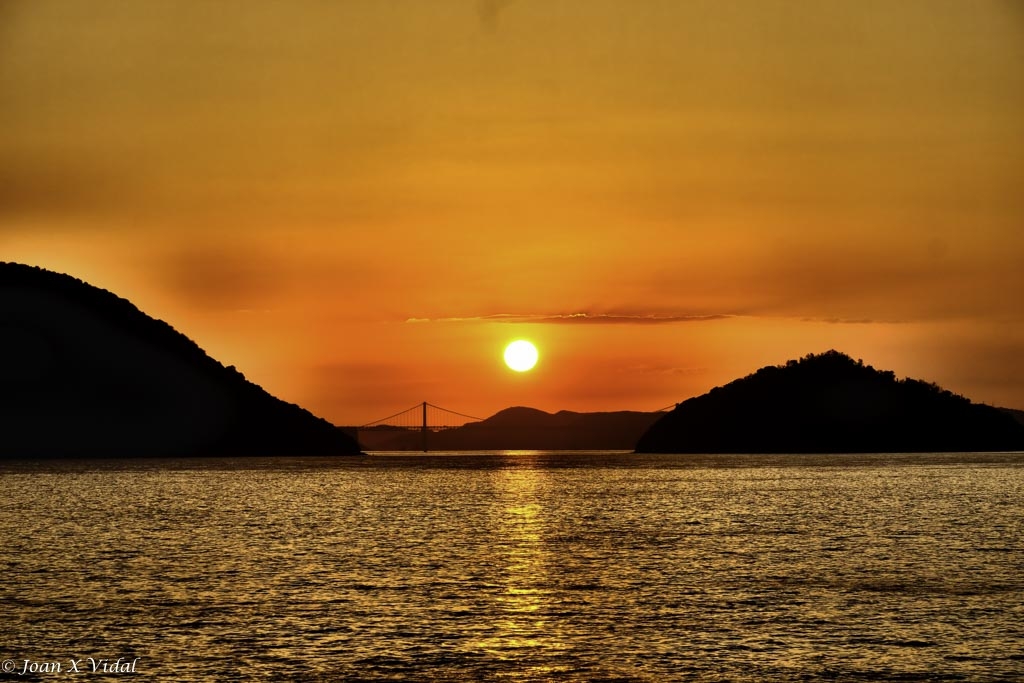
point(830, 403)
point(85, 373)
point(521, 428)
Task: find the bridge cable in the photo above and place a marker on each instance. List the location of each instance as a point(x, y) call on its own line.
point(401, 412)
point(453, 412)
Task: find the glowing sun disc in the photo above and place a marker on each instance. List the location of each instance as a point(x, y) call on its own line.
point(521, 355)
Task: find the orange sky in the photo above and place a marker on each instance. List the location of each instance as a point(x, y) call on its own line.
point(359, 203)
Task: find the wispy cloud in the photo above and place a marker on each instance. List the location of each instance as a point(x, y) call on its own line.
point(662, 370)
point(642, 318)
point(852, 321)
point(578, 318)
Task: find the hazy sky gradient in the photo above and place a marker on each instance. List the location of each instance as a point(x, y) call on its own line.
point(358, 202)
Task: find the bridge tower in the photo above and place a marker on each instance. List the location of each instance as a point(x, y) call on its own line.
point(423, 429)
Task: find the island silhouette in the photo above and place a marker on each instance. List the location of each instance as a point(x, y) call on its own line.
point(84, 373)
point(522, 428)
point(830, 403)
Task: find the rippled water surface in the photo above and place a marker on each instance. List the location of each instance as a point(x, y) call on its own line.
point(519, 567)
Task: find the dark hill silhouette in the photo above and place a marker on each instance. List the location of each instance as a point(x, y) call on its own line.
point(84, 373)
point(525, 429)
point(1017, 415)
point(830, 403)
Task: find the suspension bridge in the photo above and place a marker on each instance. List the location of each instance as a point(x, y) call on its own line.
point(424, 418)
point(410, 429)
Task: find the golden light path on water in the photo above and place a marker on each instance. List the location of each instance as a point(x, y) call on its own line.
point(523, 567)
point(524, 552)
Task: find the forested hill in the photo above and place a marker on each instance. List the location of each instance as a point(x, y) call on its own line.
point(830, 403)
point(85, 373)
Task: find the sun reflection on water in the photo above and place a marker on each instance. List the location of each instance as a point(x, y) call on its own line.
point(523, 624)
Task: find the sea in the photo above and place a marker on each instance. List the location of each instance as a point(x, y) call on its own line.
point(515, 566)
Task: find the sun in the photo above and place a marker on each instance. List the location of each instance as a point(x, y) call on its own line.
point(521, 355)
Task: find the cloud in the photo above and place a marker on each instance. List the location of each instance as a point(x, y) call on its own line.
point(897, 278)
point(37, 188)
point(644, 319)
point(221, 276)
point(577, 318)
point(490, 12)
point(663, 370)
point(851, 321)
